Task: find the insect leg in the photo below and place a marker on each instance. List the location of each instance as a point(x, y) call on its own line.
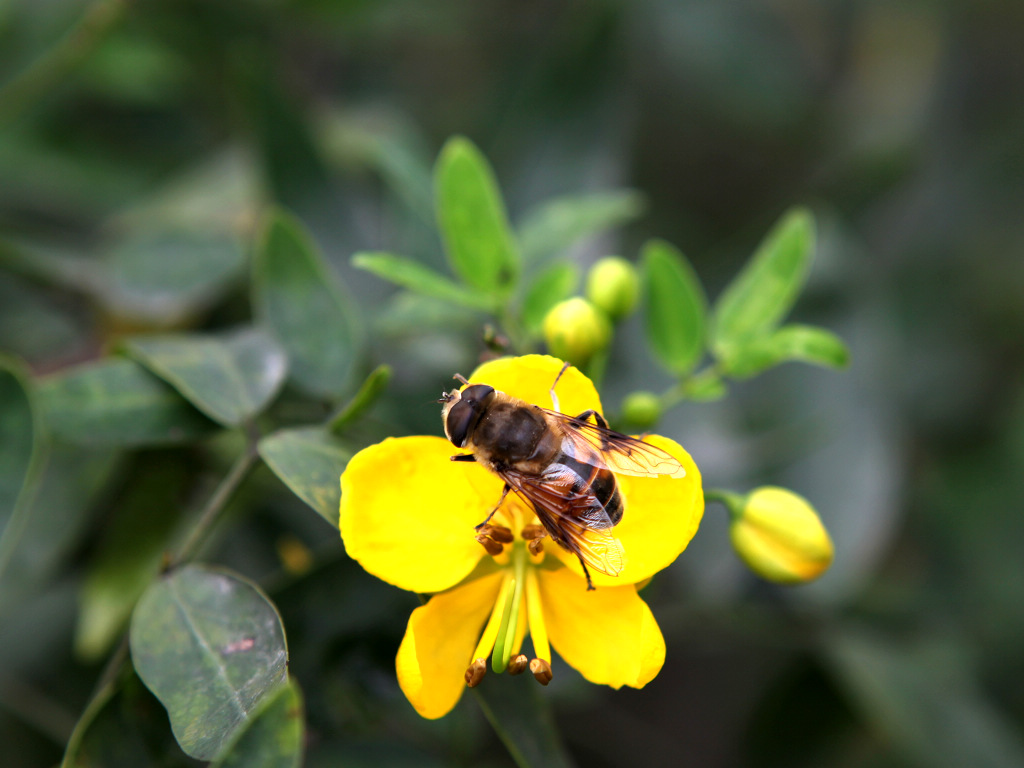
point(590, 584)
point(554, 397)
point(599, 420)
point(487, 519)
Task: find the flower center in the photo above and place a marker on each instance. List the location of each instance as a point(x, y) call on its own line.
point(516, 611)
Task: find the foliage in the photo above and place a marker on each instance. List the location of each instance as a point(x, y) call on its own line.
point(237, 245)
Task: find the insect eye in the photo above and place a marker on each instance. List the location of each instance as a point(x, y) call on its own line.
point(460, 418)
point(464, 414)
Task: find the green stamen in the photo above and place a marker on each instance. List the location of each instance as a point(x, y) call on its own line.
point(505, 642)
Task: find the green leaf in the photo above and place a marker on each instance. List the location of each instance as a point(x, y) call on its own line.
point(803, 343)
point(309, 461)
point(704, 386)
point(303, 305)
point(134, 540)
point(472, 219)
point(522, 717)
point(368, 393)
point(556, 225)
point(122, 728)
point(18, 438)
point(674, 307)
point(766, 288)
point(169, 275)
point(117, 402)
point(211, 648)
point(273, 738)
point(922, 698)
point(552, 285)
point(51, 519)
point(411, 274)
point(230, 378)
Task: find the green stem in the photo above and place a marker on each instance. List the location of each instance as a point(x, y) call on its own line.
point(732, 501)
point(215, 506)
point(56, 63)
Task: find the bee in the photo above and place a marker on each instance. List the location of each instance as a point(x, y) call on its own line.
point(563, 466)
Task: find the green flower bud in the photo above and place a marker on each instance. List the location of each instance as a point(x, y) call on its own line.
point(613, 286)
point(779, 536)
point(641, 409)
point(575, 330)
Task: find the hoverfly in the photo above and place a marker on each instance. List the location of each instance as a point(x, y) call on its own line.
point(563, 466)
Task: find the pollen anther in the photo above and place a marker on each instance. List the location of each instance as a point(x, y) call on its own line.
point(536, 546)
point(541, 671)
point(493, 547)
point(475, 673)
point(498, 533)
point(532, 532)
point(518, 664)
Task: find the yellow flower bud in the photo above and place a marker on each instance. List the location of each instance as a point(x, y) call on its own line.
point(641, 409)
point(780, 537)
point(613, 286)
point(575, 329)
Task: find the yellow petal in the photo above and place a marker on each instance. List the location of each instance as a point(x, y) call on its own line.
point(439, 641)
point(408, 511)
point(662, 515)
point(609, 634)
point(530, 378)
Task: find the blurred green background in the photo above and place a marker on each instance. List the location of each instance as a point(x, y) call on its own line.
point(163, 128)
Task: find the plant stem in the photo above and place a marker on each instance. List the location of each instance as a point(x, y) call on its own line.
point(56, 63)
point(215, 506)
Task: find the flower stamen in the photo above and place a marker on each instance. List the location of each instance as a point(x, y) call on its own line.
point(475, 673)
point(492, 547)
point(518, 664)
point(541, 671)
point(498, 533)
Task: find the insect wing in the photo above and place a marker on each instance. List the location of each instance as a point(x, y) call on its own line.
point(560, 510)
point(613, 450)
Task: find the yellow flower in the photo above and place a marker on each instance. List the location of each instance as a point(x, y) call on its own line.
point(408, 514)
point(779, 536)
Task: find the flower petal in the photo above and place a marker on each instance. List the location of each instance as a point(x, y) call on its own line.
point(662, 515)
point(439, 641)
point(530, 378)
point(608, 635)
point(408, 511)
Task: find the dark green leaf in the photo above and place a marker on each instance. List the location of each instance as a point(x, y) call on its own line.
point(310, 462)
point(52, 519)
point(304, 307)
point(368, 393)
point(922, 698)
point(791, 342)
point(674, 307)
point(273, 738)
point(18, 438)
point(420, 279)
point(229, 378)
point(124, 727)
point(766, 288)
point(523, 720)
point(556, 225)
point(169, 275)
point(211, 647)
point(552, 285)
point(134, 540)
point(117, 402)
point(472, 219)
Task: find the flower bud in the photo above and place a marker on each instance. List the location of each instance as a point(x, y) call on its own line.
point(641, 409)
point(575, 330)
point(780, 537)
point(613, 286)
